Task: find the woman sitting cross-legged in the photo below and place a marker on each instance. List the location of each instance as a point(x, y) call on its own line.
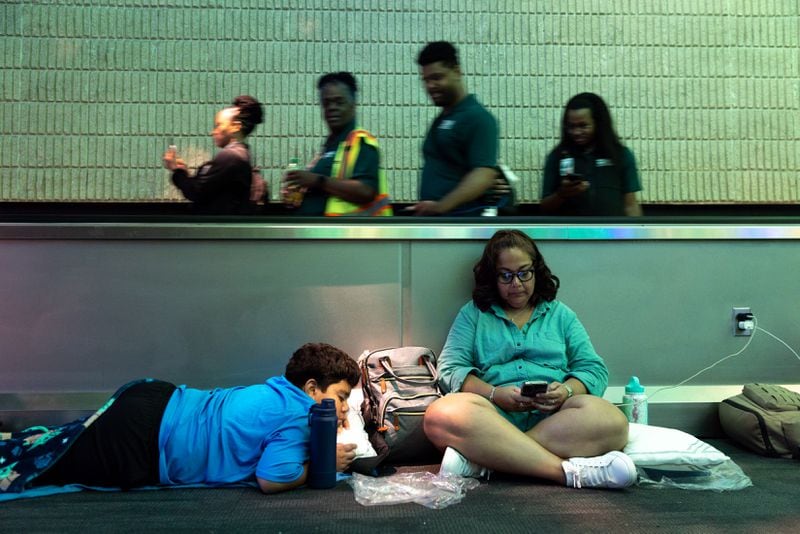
point(514, 331)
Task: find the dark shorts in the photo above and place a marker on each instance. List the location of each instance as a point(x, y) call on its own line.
point(120, 449)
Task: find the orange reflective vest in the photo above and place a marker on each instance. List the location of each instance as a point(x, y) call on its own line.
point(344, 163)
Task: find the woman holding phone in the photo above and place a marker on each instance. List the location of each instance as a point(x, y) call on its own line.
point(223, 185)
point(524, 382)
point(590, 172)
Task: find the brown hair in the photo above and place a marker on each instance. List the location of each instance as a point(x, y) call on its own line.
point(324, 363)
point(485, 292)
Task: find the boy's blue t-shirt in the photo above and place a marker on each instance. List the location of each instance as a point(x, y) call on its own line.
point(231, 435)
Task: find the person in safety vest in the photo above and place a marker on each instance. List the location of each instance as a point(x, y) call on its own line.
point(345, 178)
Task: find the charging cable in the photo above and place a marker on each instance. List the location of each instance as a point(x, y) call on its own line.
point(747, 321)
point(782, 342)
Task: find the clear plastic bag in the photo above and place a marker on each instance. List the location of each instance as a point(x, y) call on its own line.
point(427, 489)
point(724, 476)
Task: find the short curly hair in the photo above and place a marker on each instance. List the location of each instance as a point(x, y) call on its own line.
point(324, 363)
point(485, 292)
point(438, 51)
point(344, 78)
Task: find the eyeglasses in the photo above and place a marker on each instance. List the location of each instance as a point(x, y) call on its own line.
point(508, 277)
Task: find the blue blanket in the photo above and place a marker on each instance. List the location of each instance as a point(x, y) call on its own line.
point(27, 454)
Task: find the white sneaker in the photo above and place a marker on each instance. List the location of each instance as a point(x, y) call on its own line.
point(611, 470)
point(453, 463)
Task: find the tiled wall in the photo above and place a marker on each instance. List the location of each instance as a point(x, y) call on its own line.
point(705, 92)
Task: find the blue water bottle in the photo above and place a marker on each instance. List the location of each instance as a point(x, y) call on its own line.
point(322, 465)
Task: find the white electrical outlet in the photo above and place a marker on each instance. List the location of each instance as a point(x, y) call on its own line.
point(740, 331)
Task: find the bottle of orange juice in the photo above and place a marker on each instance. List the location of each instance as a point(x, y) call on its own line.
point(292, 195)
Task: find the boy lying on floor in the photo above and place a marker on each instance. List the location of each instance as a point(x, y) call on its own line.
point(154, 433)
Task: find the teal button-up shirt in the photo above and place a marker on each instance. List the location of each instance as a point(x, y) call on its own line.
point(553, 345)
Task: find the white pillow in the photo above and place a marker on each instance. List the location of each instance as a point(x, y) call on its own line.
point(356, 434)
point(663, 448)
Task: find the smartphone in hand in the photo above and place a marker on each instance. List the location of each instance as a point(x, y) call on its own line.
point(531, 388)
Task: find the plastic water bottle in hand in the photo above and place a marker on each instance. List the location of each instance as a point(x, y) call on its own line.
point(292, 195)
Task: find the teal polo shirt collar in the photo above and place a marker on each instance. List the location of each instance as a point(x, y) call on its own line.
point(466, 103)
point(542, 307)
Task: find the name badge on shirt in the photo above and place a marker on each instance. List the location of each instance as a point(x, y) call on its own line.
point(602, 162)
point(447, 124)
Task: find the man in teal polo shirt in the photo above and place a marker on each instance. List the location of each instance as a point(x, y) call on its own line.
point(460, 150)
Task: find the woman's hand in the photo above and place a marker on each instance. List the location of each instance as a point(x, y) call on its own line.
point(509, 399)
point(301, 179)
point(172, 161)
point(552, 400)
point(345, 454)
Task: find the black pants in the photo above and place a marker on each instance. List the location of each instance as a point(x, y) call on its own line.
point(120, 449)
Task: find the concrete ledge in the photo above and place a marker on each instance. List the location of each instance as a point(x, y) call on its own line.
point(693, 409)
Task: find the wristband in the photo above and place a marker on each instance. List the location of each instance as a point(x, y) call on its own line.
point(491, 395)
point(569, 390)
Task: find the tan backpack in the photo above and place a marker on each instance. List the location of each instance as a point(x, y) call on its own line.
point(764, 418)
point(399, 384)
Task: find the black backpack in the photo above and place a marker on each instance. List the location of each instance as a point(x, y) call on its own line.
point(399, 384)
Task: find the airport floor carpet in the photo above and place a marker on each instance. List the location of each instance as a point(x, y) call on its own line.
point(502, 505)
